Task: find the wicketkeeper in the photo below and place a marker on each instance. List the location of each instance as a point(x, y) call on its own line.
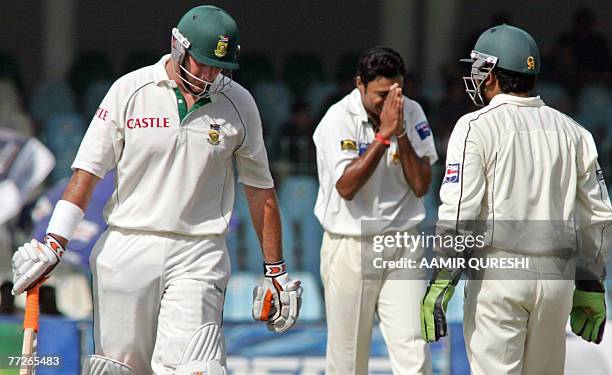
point(530, 175)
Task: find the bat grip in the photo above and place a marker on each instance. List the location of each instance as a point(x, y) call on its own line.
point(32, 309)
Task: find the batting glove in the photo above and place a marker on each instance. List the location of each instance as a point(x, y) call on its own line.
point(588, 316)
point(278, 300)
point(33, 261)
point(433, 305)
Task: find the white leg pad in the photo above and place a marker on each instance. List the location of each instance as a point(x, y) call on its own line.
point(204, 353)
point(99, 365)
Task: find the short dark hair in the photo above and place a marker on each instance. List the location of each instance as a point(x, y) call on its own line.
point(510, 81)
point(380, 61)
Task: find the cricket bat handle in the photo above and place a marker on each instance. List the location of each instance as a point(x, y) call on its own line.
point(30, 331)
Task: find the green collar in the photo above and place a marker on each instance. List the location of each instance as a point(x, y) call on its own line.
point(182, 104)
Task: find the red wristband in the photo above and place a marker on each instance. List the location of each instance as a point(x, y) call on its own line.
point(383, 140)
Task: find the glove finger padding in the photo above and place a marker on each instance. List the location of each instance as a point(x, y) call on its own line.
point(433, 313)
point(34, 261)
point(290, 304)
point(588, 315)
point(578, 320)
point(263, 303)
point(434, 304)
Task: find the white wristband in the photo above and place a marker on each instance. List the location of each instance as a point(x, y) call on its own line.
point(65, 218)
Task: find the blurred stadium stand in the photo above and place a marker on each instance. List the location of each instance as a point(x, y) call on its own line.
point(62, 134)
point(254, 68)
point(52, 98)
point(302, 69)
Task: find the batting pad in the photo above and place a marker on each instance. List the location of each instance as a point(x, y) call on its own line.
point(98, 365)
point(204, 352)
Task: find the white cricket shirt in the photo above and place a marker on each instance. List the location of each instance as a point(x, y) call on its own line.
point(174, 169)
point(519, 160)
point(344, 133)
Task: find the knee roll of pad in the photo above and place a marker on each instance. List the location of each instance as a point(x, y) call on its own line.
point(99, 365)
point(204, 352)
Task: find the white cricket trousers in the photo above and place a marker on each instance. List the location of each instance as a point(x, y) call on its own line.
point(152, 291)
point(351, 303)
point(515, 324)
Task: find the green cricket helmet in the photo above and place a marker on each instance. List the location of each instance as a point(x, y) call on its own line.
point(210, 36)
point(506, 47)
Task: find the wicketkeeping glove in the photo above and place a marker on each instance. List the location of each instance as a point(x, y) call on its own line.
point(433, 307)
point(278, 300)
point(33, 261)
point(588, 316)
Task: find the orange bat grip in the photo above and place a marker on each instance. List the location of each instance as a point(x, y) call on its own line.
point(32, 309)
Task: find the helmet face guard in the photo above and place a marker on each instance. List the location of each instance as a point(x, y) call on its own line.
point(203, 89)
point(482, 65)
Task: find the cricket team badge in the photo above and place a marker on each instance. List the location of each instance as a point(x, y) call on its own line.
point(531, 63)
point(222, 45)
point(214, 134)
point(348, 145)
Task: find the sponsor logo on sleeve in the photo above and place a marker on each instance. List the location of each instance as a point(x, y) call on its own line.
point(363, 148)
point(453, 170)
point(423, 129)
point(348, 145)
point(101, 113)
point(600, 175)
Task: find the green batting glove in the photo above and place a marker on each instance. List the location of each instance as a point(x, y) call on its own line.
point(588, 316)
point(433, 306)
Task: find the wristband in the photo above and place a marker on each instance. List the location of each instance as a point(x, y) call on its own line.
point(65, 218)
point(400, 135)
point(54, 245)
point(386, 142)
point(275, 269)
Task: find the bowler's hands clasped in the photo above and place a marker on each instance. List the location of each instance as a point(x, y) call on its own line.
point(392, 114)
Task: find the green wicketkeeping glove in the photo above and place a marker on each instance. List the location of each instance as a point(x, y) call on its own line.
point(588, 316)
point(433, 306)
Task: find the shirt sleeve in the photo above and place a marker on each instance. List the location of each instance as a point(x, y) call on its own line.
point(419, 131)
point(464, 184)
point(593, 209)
point(103, 142)
point(251, 157)
point(336, 143)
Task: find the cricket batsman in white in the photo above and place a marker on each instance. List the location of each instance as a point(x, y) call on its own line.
point(160, 270)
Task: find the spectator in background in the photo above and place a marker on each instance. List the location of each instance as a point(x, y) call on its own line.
point(295, 143)
point(345, 78)
point(453, 105)
point(48, 301)
point(412, 89)
point(498, 18)
point(582, 55)
point(7, 300)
